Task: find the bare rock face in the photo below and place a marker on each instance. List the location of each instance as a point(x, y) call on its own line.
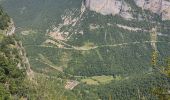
point(107, 7)
point(156, 6)
point(11, 29)
point(120, 7)
point(152, 5)
point(165, 10)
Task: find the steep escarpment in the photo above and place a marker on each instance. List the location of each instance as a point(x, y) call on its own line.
point(4, 20)
point(124, 9)
point(110, 7)
point(156, 6)
point(14, 66)
point(7, 26)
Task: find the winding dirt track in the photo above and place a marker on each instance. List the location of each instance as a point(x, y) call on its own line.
point(71, 47)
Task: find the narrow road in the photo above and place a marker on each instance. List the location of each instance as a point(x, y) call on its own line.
point(101, 46)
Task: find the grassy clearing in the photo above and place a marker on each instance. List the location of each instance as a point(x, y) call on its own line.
point(88, 45)
point(90, 81)
point(103, 79)
point(96, 80)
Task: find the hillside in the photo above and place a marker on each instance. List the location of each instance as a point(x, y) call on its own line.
point(94, 49)
point(12, 68)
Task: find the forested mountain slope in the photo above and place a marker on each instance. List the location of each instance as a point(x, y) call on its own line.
point(12, 68)
point(93, 50)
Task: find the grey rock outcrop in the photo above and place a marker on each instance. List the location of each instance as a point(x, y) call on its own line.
point(11, 28)
point(110, 7)
point(123, 9)
point(156, 6)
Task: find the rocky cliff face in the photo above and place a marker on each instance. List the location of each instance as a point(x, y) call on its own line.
point(156, 6)
point(108, 7)
point(120, 7)
point(165, 10)
point(11, 28)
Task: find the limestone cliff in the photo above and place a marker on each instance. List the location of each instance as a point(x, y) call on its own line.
point(10, 29)
point(156, 6)
point(123, 9)
point(108, 7)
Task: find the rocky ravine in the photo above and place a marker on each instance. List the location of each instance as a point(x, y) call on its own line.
point(120, 7)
